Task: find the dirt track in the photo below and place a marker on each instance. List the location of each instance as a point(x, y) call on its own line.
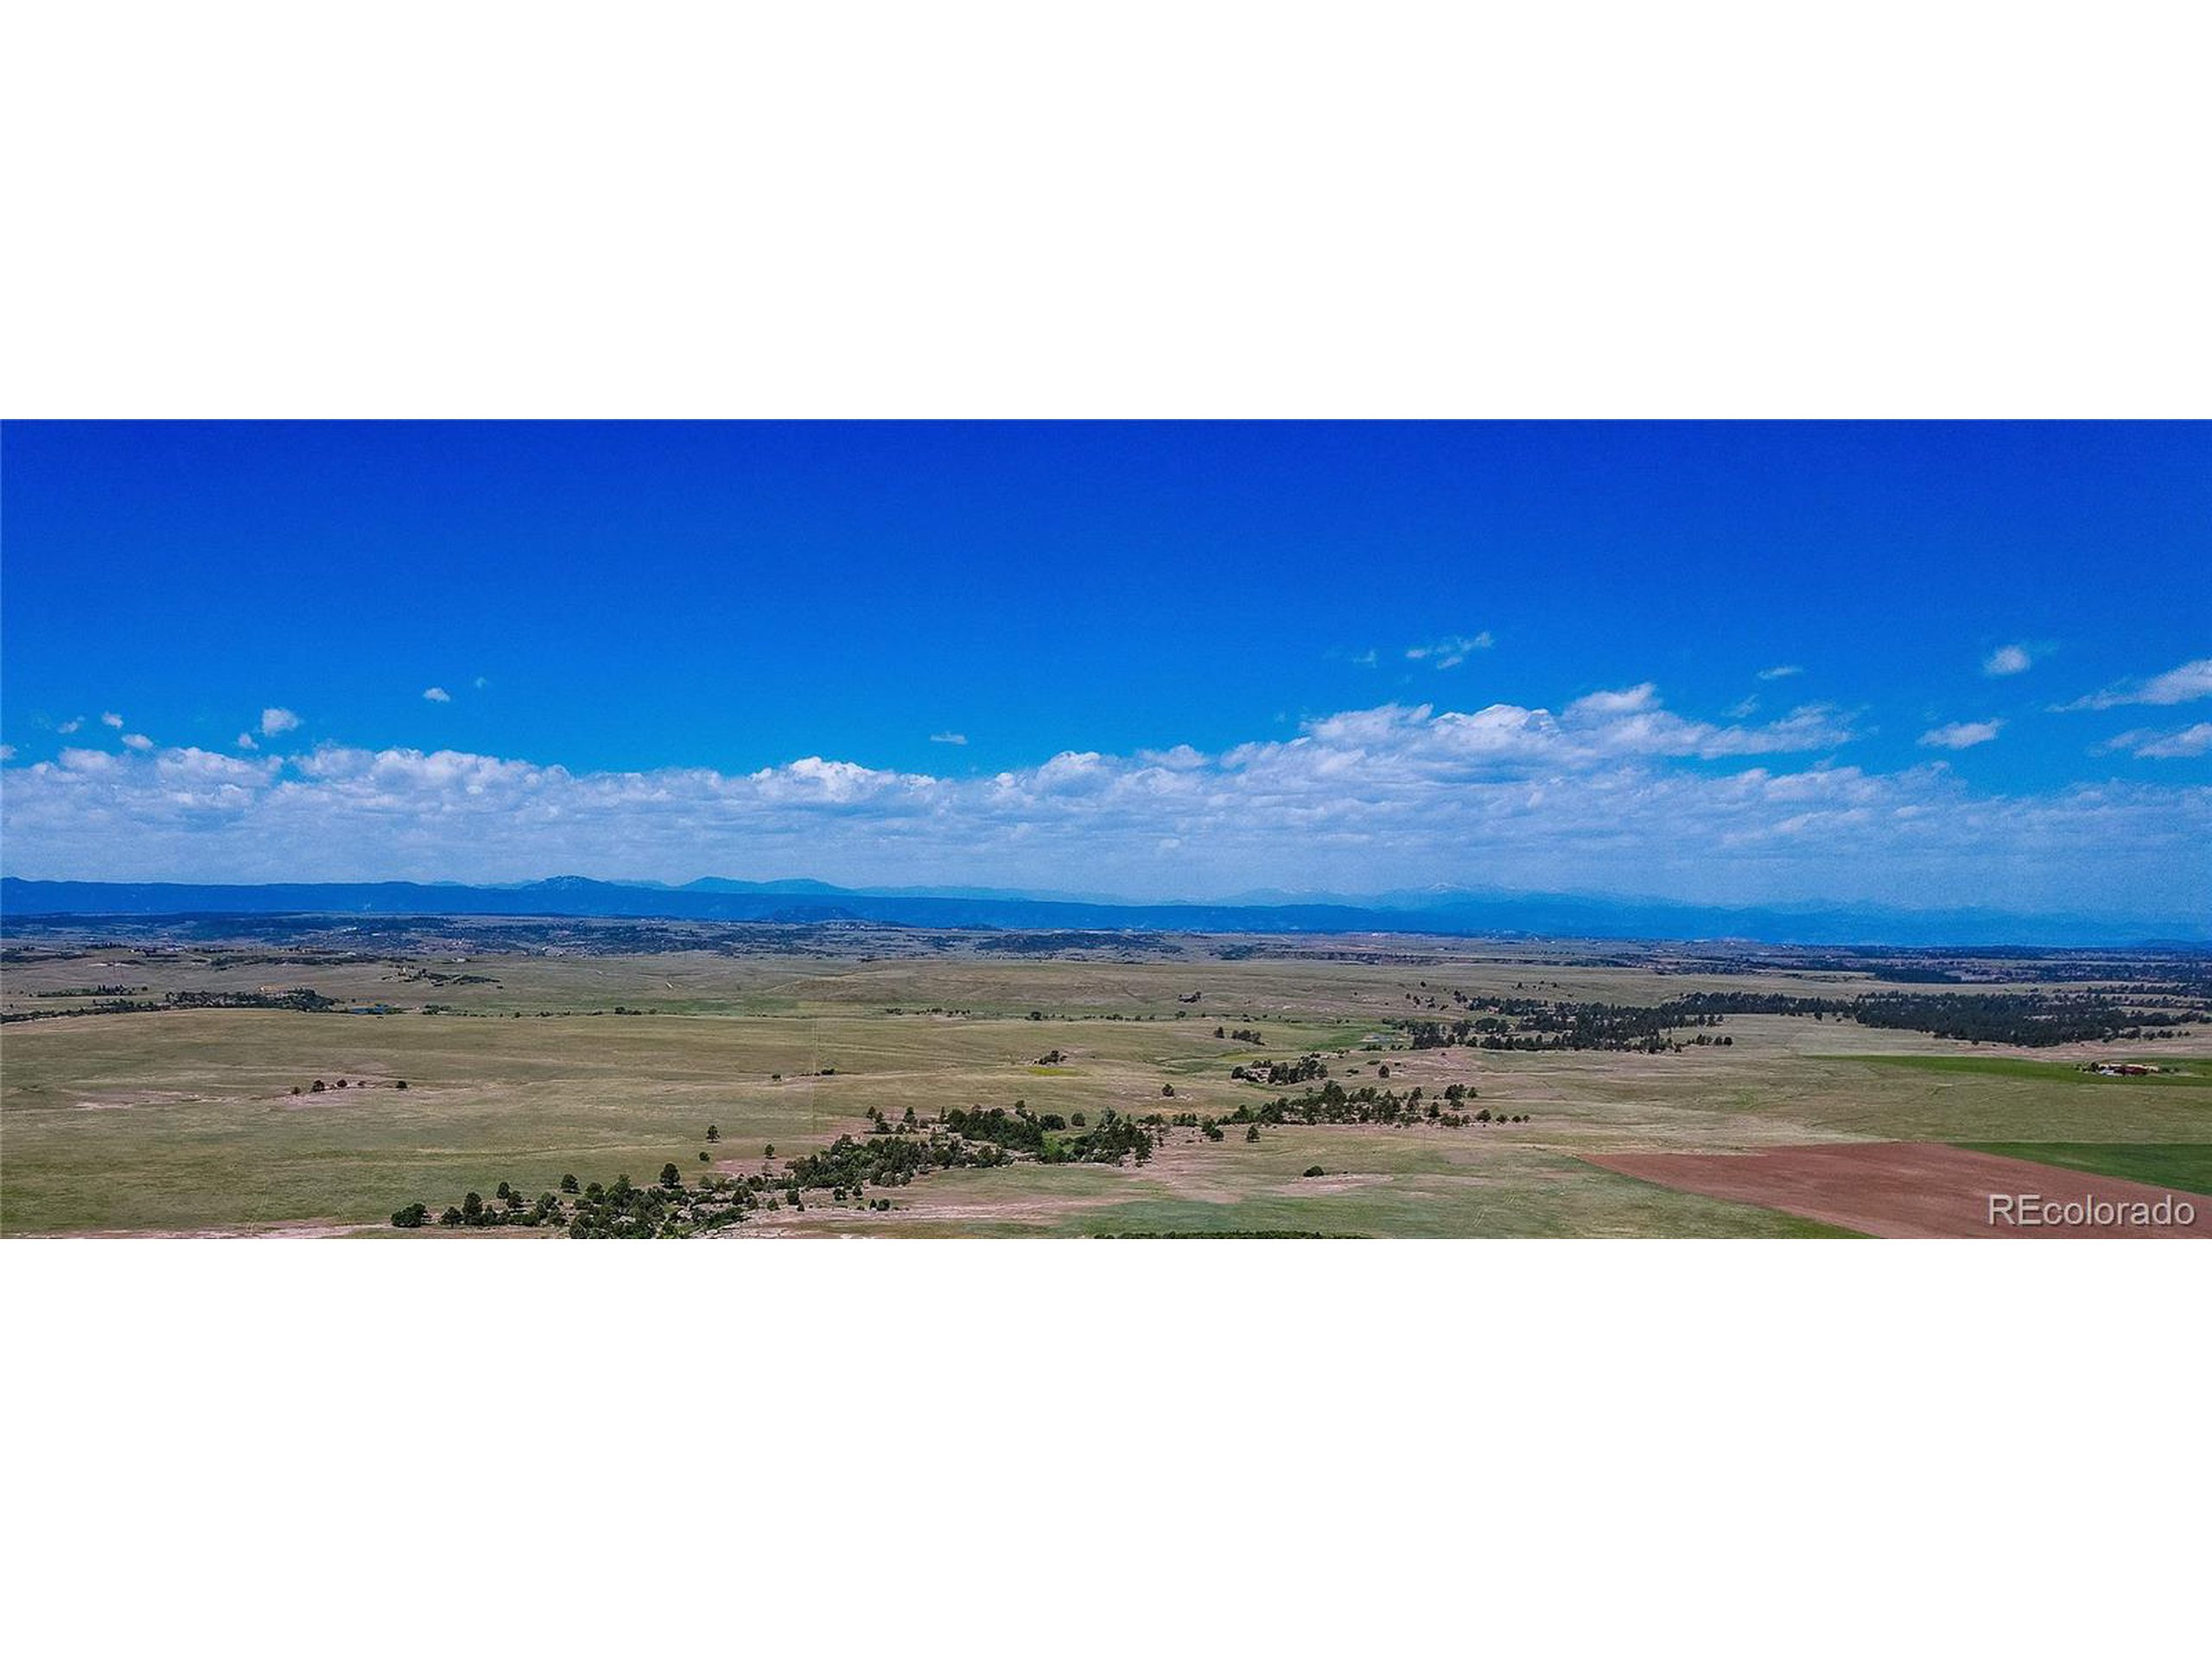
point(1909, 1189)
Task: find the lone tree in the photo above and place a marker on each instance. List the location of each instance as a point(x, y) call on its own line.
point(1252, 1134)
point(712, 1134)
point(1167, 1092)
point(568, 1183)
point(670, 1176)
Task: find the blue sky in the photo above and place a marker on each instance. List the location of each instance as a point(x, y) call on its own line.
point(1950, 662)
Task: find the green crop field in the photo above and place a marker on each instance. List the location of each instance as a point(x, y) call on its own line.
point(2182, 1075)
point(2186, 1167)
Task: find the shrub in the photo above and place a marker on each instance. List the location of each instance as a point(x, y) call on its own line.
point(1312, 1170)
point(568, 1183)
point(1252, 1134)
point(413, 1215)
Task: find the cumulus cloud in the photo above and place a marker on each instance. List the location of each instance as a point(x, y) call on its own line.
point(437, 693)
point(2185, 744)
point(1962, 734)
point(68, 727)
point(957, 739)
point(246, 741)
point(1451, 650)
point(112, 720)
point(1780, 671)
point(274, 722)
point(2184, 684)
point(2007, 660)
point(137, 740)
point(1614, 790)
point(7, 751)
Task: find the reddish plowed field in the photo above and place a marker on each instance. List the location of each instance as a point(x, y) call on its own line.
point(1912, 1190)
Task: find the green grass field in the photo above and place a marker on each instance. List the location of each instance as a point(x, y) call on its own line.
point(186, 1120)
point(2194, 1074)
point(2186, 1169)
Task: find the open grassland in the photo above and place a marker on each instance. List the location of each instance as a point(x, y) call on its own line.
point(186, 1120)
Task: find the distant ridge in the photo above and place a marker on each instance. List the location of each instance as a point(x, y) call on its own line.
point(1444, 912)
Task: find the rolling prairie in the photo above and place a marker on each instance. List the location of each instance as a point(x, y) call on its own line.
point(526, 1066)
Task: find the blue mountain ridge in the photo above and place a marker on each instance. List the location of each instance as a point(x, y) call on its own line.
point(1449, 912)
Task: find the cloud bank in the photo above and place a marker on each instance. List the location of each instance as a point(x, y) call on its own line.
point(1614, 792)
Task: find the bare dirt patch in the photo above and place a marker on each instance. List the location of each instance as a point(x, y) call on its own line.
point(1907, 1189)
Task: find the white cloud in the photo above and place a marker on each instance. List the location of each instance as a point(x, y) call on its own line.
point(437, 693)
point(137, 740)
point(2008, 659)
point(1742, 709)
point(114, 720)
point(1781, 671)
point(2184, 684)
point(7, 751)
point(1181, 758)
point(1962, 734)
point(274, 722)
point(1601, 795)
point(1449, 652)
point(1365, 660)
point(2185, 744)
point(481, 682)
point(246, 741)
point(957, 739)
point(68, 726)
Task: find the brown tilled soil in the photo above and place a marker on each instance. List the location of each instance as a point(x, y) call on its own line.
point(1905, 1189)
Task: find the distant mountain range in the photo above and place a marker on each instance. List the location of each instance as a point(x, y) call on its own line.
point(1455, 912)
